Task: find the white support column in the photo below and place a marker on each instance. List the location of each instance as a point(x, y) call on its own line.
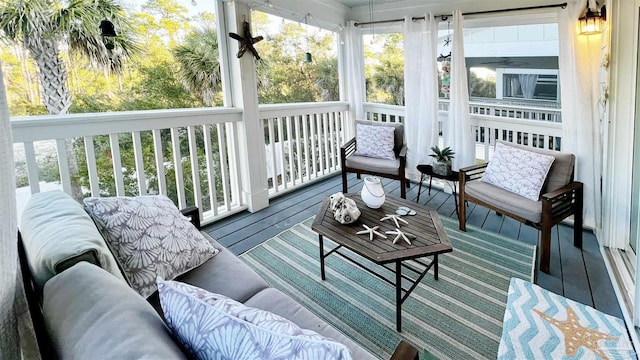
point(343, 83)
point(252, 154)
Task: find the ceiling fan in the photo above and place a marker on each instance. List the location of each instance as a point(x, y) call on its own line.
point(507, 62)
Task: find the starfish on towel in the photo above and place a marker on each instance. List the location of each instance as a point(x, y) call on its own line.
point(395, 219)
point(401, 235)
point(372, 232)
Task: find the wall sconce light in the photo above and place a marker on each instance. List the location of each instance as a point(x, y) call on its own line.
point(591, 22)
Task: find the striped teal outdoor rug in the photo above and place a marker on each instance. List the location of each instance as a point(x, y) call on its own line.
point(459, 316)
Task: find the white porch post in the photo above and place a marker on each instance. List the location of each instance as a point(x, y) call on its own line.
point(244, 94)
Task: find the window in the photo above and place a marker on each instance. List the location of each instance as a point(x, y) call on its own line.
point(528, 84)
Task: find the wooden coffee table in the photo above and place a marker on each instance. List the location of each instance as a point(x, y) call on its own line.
point(431, 240)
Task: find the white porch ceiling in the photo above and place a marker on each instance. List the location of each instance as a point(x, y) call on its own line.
point(330, 13)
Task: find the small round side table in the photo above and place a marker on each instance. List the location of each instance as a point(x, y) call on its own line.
point(452, 178)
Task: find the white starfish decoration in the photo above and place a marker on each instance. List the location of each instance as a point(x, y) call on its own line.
point(401, 235)
point(395, 219)
point(372, 232)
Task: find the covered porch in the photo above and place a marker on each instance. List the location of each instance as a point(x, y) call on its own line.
point(254, 170)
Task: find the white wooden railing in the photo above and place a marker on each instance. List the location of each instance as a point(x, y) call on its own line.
point(535, 133)
point(302, 142)
point(510, 109)
point(192, 155)
point(202, 154)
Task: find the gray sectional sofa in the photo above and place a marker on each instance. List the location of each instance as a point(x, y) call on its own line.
point(85, 312)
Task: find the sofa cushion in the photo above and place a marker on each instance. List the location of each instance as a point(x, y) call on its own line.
point(90, 314)
point(503, 199)
point(212, 326)
point(561, 172)
point(225, 274)
point(277, 302)
point(382, 166)
point(375, 141)
point(520, 171)
point(57, 233)
point(149, 237)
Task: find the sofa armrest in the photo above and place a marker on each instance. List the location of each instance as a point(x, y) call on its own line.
point(193, 214)
point(405, 351)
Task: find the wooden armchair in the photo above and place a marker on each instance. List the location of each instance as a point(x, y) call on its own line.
point(392, 169)
point(561, 197)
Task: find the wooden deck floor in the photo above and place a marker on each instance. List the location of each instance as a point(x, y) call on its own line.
point(578, 275)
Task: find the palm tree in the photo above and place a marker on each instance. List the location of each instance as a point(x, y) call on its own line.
point(45, 27)
point(327, 79)
point(199, 69)
point(389, 76)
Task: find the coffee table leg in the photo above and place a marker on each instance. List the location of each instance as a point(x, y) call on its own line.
point(435, 267)
point(398, 296)
point(321, 245)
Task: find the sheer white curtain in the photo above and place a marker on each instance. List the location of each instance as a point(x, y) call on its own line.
point(421, 89)
point(354, 54)
point(9, 340)
point(528, 84)
point(579, 62)
point(458, 133)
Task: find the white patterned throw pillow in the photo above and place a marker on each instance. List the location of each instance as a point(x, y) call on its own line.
point(212, 326)
point(375, 141)
point(149, 237)
point(517, 170)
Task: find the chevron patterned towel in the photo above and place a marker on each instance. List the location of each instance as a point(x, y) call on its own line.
point(539, 324)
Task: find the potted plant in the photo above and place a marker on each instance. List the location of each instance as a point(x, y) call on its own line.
point(442, 163)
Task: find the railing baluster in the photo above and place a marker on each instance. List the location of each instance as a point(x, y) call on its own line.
point(325, 142)
point(234, 169)
point(292, 177)
point(195, 168)
point(211, 176)
point(321, 169)
point(332, 140)
point(305, 138)
point(90, 154)
point(137, 151)
point(159, 156)
point(299, 149)
point(116, 160)
point(63, 165)
point(32, 167)
point(177, 167)
point(283, 159)
point(274, 164)
point(312, 134)
point(224, 170)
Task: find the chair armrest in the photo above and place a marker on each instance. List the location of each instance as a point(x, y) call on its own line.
point(472, 172)
point(562, 202)
point(571, 187)
point(403, 151)
point(193, 214)
point(405, 351)
point(348, 148)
